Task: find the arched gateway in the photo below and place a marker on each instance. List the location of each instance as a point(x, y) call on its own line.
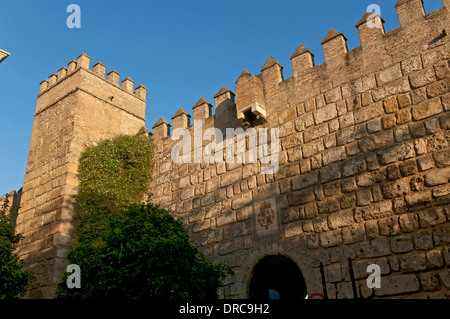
point(277, 277)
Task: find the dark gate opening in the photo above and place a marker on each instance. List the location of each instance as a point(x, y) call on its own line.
point(277, 277)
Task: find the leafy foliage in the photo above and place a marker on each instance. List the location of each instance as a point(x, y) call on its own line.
point(126, 249)
point(144, 253)
point(119, 170)
point(14, 280)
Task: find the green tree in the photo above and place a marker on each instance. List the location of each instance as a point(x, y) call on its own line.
point(143, 253)
point(126, 249)
point(14, 280)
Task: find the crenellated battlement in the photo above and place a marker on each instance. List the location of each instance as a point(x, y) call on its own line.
point(341, 66)
point(78, 76)
point(99, 69)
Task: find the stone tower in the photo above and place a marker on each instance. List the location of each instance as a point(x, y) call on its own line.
point(75, 107)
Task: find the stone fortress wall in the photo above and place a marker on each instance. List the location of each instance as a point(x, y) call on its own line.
point(363, 163)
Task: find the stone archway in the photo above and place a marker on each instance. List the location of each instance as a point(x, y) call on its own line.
point(277, 277)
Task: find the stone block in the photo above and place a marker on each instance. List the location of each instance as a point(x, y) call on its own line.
point(305, 180)
point(422, 77)
point(330, 238)
point(267, 190)
point(408, 223)
point(429, 281)
point(437, 88)
point(311, 210)
point(325, 113)
point(389, 74)
point(315, 132)
point(391, 105)
point(226, 219)
point(401, 133)
point(401, 244)
point(441, 191)
point(350, 134)
point(426, 109)
point(412, 64)
point(349, 185)
point(389, 226)
point(423, 239)
point(320, 224)
point(304, 121)
point(445, 121)
point(417, 129)
point(354, 234)
point(231, 177)
point(241, 200)
point(413, 262)
point(434, 259)
point(348, 201)
point(376, 141)
point(340, 219)
point(364, 197)
point(360, 267)
point(360, 85)
point(328, 205)
point(332, 188)
point(330, 141)
point(398, 284)
point(374, 125)
point(312, 241)
point(396, 87)
point(334, 155)
point(301, 197)
point(445, 278)
point(418, 199)
point(441, 158)
point(389, 121)
point(293, 229)
point(312, 148)
point(334, 273)
point(441, 234)
point(431, 217)
point(377, 247)
point(396, 188)
point(432, 126)
point(333, 95)
point(420, 146)
point(330, 173)
point(437, 177)
point(367, 113)
point(403, 116)
point(408, 167)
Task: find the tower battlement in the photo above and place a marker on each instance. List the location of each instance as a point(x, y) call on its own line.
point(78, 76)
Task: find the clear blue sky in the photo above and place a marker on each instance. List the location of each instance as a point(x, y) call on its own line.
point(180, 50)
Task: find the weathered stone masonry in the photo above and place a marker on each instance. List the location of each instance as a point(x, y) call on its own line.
point(364, 162)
